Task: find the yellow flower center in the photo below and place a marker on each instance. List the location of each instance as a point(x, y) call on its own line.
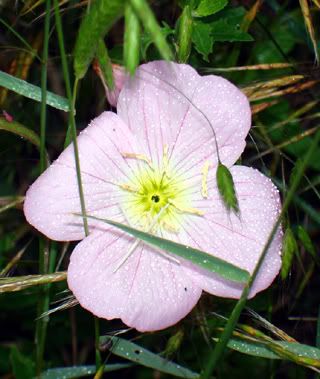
point(157, 197)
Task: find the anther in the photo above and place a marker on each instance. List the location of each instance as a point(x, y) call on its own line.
point(204, 185)
point(139, 157)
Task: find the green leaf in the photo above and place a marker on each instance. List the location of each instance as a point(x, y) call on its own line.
point(289, 248)
point(198, 257)
point(144, 357)
point(202, 39)
point(94, 26)
point(20, 130)
point(79, 371)
point(209, 7)
point(132, 39)
point(150, 24)
point(22, 366)
point(226, 188)
point(223, 31)
point(185, 34)
point(32, 92)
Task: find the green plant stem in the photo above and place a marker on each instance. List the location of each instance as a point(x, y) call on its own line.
point(97, 338)
point(233, 319)
point(132, 38)
point(43, 302)
point(72, 133)
point(71, 98)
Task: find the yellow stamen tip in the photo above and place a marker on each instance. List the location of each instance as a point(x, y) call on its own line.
point(204, 184)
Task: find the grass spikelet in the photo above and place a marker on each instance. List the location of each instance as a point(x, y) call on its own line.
point(20, 283)
point(289, 248)
point(226, 188)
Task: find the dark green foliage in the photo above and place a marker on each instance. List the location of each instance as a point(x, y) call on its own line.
point(210, 35)
point(97, 20)
point(132, 40)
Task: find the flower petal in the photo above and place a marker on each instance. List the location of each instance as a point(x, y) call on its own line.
point(148, 292)
point(237, 239)
point(170, 104)
point(53, 198)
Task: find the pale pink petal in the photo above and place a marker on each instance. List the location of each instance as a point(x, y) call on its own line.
point(53, 198)
point(169, 104)
point(236, 239)
point(148, 292)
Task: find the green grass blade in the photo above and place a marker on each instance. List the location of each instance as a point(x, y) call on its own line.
point(44, 245)
point(132, 38)
point(21, 131)
point(142, 356)
point(79, 371)
point(257, 349)
point(32, 92)
point(150, 24)
point(301, 354)
point(198, 257)
point(94, 26)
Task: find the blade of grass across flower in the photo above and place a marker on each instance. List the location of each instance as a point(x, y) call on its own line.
point(132, 38)
point(144, 357)
point(20, 130)
point(97, 21)
point(32, 92)
point(80, 371)
point(198, 257)
point(150, 24)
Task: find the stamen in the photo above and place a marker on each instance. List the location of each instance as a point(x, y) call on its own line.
point(186, 209)
point(204, 184)
point(128, 187)
point(140, 157)
point(138, 241)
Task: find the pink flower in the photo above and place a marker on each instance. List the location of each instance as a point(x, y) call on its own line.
point(152, 165)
